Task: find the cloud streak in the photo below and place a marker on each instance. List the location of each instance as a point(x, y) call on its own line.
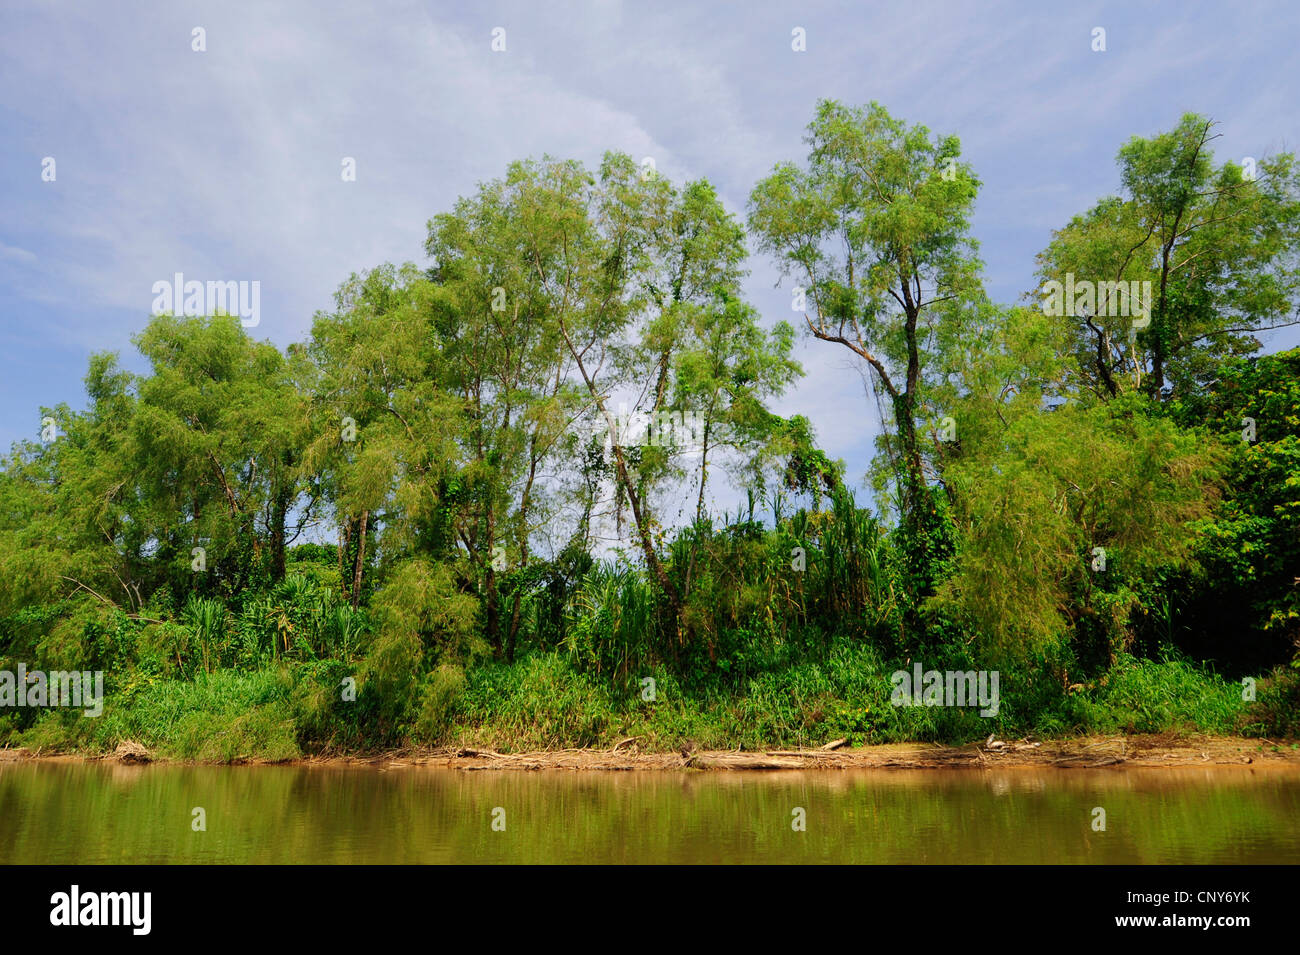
point(226, 164)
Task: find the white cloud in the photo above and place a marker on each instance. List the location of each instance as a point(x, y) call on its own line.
point(225, 164)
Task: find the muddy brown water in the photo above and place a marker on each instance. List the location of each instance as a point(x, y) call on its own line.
point(102, 812)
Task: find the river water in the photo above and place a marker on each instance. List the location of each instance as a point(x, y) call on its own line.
point(71, 812)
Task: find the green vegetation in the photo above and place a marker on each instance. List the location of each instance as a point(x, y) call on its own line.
point(472, 508)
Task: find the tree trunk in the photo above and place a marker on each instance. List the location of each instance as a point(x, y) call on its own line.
point(1157, 330)
point(345, 537)
point(625, 479)
point(704, 473)
point(491, 597)
point(361, 560)
point(512, 632)
point(492, 609)
point(279, 516)
point(643, 531)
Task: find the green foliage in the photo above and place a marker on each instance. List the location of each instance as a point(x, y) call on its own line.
point(615, 623)
point(441, 698)
point(1216, 246)
point(1244, 594)
point(1144, 696)
point(539, 701)
point(1062, 514)
point(1276, 712)
point(223, 717)
point(430, 501)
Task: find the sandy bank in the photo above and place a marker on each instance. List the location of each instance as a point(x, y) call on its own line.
point(1079, 753)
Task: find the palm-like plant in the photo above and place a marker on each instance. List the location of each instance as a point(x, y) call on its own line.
point(207, 618)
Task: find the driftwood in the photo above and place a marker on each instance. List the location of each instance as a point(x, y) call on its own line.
point(798, 753)
point(1086, 763)
point(487, 753)
point(1085, 760)
point(997, 745)
point(629, 753)
point(746, 761)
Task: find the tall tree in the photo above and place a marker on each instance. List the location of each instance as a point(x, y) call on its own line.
point(381, 446)
point(505, 361)
point(214, 430)
point(1217, 246)
point(728, 368)
point(875, 231)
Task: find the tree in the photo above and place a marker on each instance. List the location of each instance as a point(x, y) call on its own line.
point(214, 432)
point(875, 229)
point(1063, 514)
point(612, 263)
point(1216, 247)
point(1243, 598)
point(506, 363)
point(69, 520)
point(381, 447)
point(730, 366)
point(694, 262)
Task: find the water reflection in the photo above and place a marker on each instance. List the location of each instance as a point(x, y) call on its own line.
point(54, 812)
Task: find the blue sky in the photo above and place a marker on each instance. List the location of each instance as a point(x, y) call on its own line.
point(225, 163)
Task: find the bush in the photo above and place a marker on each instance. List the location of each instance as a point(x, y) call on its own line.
point(222, 716)
point(1146, 696)
point(1276, 710)
point(442, 694)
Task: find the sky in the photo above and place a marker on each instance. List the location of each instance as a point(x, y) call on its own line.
point(225, 163)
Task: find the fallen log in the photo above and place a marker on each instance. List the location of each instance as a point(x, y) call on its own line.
point(799, 753)
point(489, 754)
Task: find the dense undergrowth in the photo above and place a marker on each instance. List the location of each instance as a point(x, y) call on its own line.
point(235, 692)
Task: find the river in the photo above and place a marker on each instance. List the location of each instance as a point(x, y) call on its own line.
point(70, 812)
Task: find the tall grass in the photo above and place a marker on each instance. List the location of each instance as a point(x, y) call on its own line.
point(614, 622)
point(206, 617)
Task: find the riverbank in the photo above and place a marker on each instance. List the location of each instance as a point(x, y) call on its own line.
point(545, 703)
point(1145, 750)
